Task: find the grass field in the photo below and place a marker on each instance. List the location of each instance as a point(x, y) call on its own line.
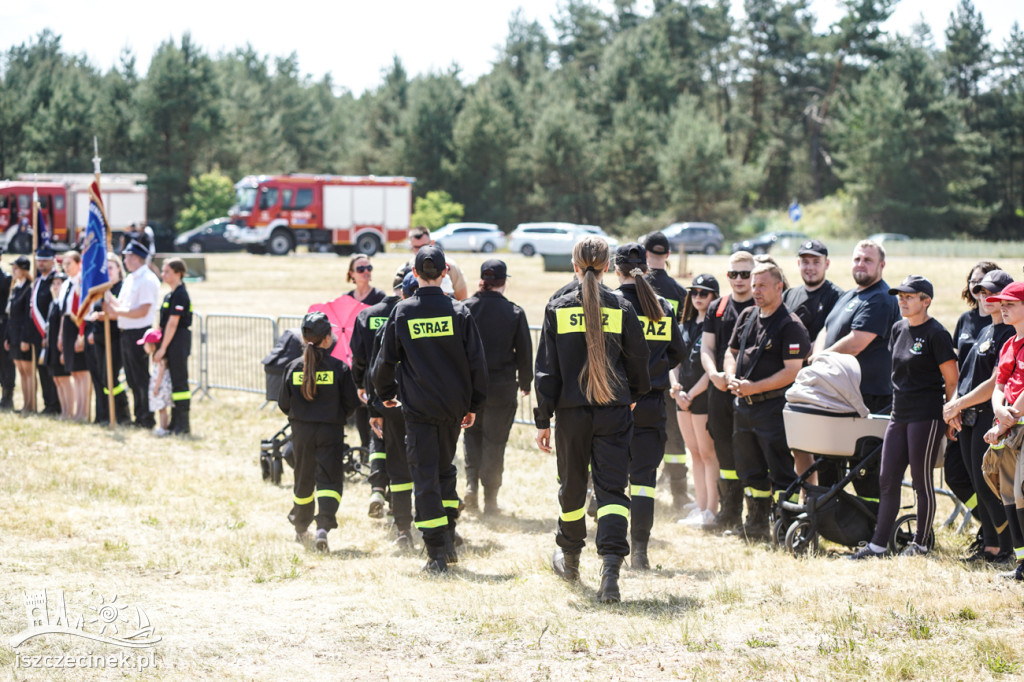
point(188, 531)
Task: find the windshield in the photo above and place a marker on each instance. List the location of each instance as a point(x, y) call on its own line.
point(245, 197)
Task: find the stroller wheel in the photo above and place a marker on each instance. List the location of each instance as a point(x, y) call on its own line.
point(276, 468)
point(779, 532)
point(355, 462)
point(265, 466)
point(903, 534)
point(802, 537)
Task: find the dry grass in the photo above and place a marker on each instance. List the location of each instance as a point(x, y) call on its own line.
point(189, 531)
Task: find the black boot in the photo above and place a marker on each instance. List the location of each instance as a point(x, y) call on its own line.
point(566, 565)
point(450, 555)
point(757, 525)
point(638, 556)
point(609, 590)
point(121, 411)
point(491, 501)
point(730, 495)
point(436, 562)
point(7, 399)
point(179, 420)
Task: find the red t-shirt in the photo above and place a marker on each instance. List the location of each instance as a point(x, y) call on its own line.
point(1011, 369)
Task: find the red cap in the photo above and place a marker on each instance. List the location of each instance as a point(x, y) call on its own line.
point(1011, 292)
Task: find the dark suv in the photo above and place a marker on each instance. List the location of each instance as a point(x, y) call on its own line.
point(694, 237)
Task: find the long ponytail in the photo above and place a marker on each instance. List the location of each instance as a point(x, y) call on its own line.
point(591, 256)
point(649, 304)
point(310, 361)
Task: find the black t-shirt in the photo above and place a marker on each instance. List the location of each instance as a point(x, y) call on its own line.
point(812, 307)
point(721, 325)
point(872, 310)
point(373, 298)
point(690, 369)
point(918, 387)
point(980, 360)
point(782, 335)
point(668, 288)
point(966, 332)
point(177, 303)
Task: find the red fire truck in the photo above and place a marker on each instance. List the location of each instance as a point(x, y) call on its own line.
point(64, 204)
point(343, 213)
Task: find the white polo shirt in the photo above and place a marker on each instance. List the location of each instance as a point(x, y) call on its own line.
point(139, 288)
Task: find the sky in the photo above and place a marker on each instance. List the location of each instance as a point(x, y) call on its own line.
point(357, 41)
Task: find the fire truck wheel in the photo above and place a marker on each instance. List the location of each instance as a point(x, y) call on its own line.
point(280, 243)
point(367, 244)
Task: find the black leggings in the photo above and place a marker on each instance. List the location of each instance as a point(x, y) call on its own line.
point(988, 508)
point(916, 444)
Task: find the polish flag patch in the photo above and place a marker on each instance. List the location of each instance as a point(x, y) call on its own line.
point(794, 348)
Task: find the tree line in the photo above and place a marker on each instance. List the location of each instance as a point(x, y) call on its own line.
point(621, 119)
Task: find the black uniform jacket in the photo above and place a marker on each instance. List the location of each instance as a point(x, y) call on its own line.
point(669, 289)
point(335, 397)
point(506, 337)
point(563, 352)
point(368, 322)
point(43, 299)
point(17, 325)
point(432, 358)
point(664, 339)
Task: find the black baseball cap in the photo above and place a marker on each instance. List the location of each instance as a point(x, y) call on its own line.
point(493, 269)
point(705, 282)
point(316, 325)
point(410, 284)
point(993, 282)
point(137, 249)
point(914, 284)
point(23, 263)
point(430, 262)
point(631, 253)
point(813, 247)
point(657, 243)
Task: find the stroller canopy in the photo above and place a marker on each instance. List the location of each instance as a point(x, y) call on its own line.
point(831, 383)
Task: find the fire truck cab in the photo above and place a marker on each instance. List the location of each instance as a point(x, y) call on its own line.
point(16, 213)
point(274, 214)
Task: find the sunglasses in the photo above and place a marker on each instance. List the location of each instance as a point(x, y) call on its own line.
point(699, 293)
point(738, 274)
point(364, 268)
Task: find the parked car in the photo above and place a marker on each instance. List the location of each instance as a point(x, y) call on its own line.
point(552, 238)
point(883, 237)
point(207, 237)
point(694, 237)
point(486, 237)
point(765, 242)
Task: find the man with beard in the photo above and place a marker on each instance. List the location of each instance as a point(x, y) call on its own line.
point(860, 324)
point(813, 301)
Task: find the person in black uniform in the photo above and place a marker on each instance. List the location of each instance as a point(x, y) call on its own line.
point(368, 322)
point(665, 344)
point(509, 349)
point(718, 325)
point(588, 376)
point(7, 375)
point(676, 457)
point(34, 332)
point(19, 319)
point(360, 272)
point(96, 342)
point(176, 342)
point(432, 359)
point(388, 426)
point(318, 395)
point(72, 338)
point(767, 349)
point(51, 356)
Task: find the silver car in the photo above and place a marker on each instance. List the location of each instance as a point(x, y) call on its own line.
point(485, 237)
point(694, 237)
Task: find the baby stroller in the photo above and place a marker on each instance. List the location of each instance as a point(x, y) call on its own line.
point(277, 449)
point(826, 416)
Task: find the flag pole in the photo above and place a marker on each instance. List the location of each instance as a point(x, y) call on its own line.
point(32, 271)
point(106, 320)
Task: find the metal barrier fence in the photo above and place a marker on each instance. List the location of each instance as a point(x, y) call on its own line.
point(233, 348)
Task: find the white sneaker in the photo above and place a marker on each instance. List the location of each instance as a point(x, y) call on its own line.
point(695, 517)
point(158, 431)
point(688, 507)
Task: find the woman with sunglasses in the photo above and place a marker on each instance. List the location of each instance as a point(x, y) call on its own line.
point(360, 272)
point(690, 391)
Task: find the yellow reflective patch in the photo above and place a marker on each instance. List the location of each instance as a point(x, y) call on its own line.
point(377, 322)
point(574, 515)
point(570, 320)
point(973, 502)
point(326, 377)
point(433, 523)
point(431, 326)
point(641, 491)
point(303, 500)
point(450, 504)
point(675, 459)
point(329, 493)
point(613, 509)
point(675, 306)
point(181, 395)
point(656, 330)
point(400, 487)
point(728, 474)
point(377, 455)
point(757, 494)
